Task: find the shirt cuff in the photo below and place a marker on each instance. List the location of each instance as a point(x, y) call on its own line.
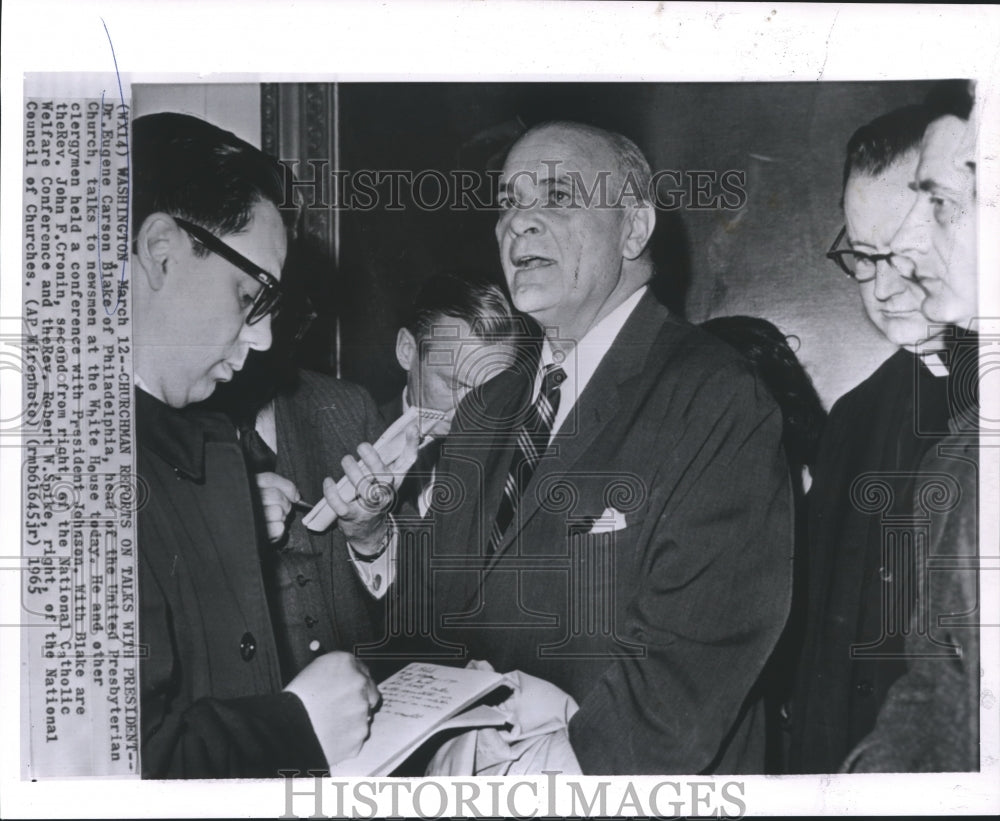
point(379, 573)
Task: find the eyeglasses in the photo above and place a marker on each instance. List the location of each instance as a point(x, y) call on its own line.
point(861, 267)
point(268, 297)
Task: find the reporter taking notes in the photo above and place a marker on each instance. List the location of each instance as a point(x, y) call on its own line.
point(209, 245)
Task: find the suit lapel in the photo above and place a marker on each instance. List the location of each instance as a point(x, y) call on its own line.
point(596, 407)
point(477, 456)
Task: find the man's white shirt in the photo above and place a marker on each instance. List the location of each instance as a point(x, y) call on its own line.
point(583, 359)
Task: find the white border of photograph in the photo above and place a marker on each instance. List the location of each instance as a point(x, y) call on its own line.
point(257, 41)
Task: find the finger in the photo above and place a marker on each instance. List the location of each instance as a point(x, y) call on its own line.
point(275, 512)
point(356, 472)
point(274, 522)
point(371, 459)
point(407, 456)
point(391, 476)
point(334, 499)
point(370, 689)
point(276, 505)
point(279, 483)
point(373, 494)
point(373, 695)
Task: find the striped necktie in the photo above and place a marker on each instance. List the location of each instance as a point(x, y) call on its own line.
point(532, 440)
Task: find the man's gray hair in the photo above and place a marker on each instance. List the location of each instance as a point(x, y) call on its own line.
point(633, 167)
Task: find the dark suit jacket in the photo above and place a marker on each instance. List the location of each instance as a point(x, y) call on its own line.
point(211, 704)
point(318, 596)
point(658, 630)
point(930, 719)
point(881, 429)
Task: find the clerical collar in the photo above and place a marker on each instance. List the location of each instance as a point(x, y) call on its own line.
point(934, 363)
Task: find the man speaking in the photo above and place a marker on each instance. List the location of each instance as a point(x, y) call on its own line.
point(625, 525)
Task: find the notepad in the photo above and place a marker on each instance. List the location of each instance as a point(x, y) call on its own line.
point(417, 702)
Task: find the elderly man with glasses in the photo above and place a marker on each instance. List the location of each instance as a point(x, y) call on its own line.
point(860, 573)
point(209, 246)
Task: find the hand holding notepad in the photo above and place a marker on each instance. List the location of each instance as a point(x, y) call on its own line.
point(424, 424)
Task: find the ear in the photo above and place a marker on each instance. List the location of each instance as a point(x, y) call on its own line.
point(406, 347)
point(639, 224)
point(158, 240)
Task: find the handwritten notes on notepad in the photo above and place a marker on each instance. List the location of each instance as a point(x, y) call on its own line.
point(418, 701)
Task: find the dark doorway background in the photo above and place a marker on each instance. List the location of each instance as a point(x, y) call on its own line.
point(362, 266)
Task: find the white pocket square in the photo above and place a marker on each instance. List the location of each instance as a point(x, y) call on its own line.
point(611, 520)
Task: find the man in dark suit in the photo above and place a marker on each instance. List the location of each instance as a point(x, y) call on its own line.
point(209, 246)
point(645, 565)
point(929, 721)
point(860, 588)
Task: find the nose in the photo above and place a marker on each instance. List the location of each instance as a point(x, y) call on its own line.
point(913, 236)
point(257, 336)
point(888, 282)
point(520, 220)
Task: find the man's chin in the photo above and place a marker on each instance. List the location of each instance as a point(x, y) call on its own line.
point(922, 340)
point(534, 302)
point(202, 391)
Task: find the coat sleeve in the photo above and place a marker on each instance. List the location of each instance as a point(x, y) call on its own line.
point(249, 737)
point(715, 558)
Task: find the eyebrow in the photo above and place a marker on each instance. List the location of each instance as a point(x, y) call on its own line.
point(504, 186)
point(931, 185)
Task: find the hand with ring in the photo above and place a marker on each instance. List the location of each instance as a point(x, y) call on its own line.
point(364, 518)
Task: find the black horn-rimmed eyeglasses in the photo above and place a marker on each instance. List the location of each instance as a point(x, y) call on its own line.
point(268, 298)
point(861, 267)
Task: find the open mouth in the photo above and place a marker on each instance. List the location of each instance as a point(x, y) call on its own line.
point(528, 262)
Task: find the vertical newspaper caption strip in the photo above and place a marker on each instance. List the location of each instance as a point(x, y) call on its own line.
point(80, 493)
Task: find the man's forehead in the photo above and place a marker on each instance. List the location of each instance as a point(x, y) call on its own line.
point(554, 151)
point(938, 149)
point(867, 189)
point(876, 205)
point(264, 241)
point(445, 352)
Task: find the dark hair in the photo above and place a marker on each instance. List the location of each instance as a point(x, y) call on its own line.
point(483, 305)
point(879, 144)
point(188, 168)
point(767, 350)
point(876, 146)
point(953, 97)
